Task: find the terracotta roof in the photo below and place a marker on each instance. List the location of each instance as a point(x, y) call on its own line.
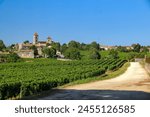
point(42, 42)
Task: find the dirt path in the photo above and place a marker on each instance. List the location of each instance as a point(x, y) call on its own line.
point(133, 84)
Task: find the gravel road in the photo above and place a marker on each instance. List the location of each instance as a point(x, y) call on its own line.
point(134, 84)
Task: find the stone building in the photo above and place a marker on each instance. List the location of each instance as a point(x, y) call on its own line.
point(25, 51)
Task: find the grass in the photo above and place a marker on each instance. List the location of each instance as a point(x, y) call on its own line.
point(108, 75)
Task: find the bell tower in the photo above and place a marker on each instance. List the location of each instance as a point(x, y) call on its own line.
point(49, 40)
point(35, 38)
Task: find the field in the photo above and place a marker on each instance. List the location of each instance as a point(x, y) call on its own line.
point(37, 75)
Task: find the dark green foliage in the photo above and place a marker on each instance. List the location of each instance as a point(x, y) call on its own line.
point(94, 54)
point(95, 45)
point(49, 52)
point(140, 55)
point(2, 45)
point(72, 53)
point(63, 48)
point(83, 46)
point(117, 64)
point(52, 53)
point(136, 47)
point(12, 57)
point(24, 79)
point(9, 90)
point(34, 48)
point(113, 54)
point(122, 49)
point(145, 50)
point(56, 45)
point(27, 41)
point(11, 48)
point(133, 55)
point(74, 44)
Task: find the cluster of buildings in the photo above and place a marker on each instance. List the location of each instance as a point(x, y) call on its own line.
point(104, 47)
point(24, 50)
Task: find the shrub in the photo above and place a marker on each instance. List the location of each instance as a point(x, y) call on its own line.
point(94, 54)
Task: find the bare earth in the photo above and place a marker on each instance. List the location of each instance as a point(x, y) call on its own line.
point(134, 84)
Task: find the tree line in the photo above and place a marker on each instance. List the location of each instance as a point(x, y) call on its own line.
point(72, 50)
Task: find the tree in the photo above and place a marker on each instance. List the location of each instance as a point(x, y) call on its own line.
point(136, 47)
point(95, 45)
point(122, 49)
point(49, 52)
point(145, 49)
point(2, 45)
point(83, 46)
point(87, 47)
point(74, 44)
point(56, 45)
point(45, 51)
point(94, 54)
point(11, 47)
point(52, 53)
point(34, 48)
point(63, 48)
point(13, 57)
point(26, 42)
point(72, 53)
point(113, 54)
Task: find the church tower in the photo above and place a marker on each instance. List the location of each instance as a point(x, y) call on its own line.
point(49, 40)
point(35, 38)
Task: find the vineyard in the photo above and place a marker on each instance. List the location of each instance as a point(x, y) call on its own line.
point(28, 78)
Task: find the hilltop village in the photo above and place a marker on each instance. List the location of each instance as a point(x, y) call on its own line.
point(25, 50)
point(71, 50)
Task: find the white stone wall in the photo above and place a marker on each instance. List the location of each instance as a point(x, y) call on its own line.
point(26, 54)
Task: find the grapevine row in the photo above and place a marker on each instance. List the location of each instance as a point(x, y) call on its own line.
point(28, 78)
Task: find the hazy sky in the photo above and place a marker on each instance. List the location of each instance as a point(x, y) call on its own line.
point(109, 22)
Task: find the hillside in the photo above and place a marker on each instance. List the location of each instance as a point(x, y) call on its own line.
point(133, 84)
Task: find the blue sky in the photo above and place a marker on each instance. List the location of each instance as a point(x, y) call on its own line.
point(109, 22)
